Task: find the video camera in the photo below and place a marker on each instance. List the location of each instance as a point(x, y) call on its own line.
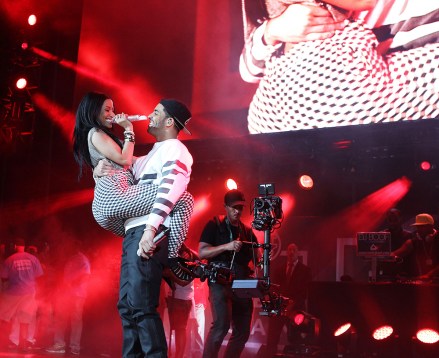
point(268, 215)
point(267, 208)
point(213, 272)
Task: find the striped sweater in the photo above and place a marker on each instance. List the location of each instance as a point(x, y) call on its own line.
point(167, 165)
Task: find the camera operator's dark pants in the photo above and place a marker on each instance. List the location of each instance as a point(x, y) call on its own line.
point(143, 333)
point(227, 309)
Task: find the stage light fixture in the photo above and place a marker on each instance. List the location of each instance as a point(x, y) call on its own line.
point(346, 340)
point(345, 327)
point(425, 165)
point(382, 332)
point(32, 20)
point(425, 343)
point(427, 336)
point(306, 182)
point(298, 318)
point(303, 334)
point(231, 184)
point(385, 343)
point(21, 83)
point(306, 322)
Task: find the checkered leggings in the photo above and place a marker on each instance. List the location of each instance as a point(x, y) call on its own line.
point(342, 81)
point(116, 199)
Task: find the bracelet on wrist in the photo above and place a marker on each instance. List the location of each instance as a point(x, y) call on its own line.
point(128, 131)
point(129, 137)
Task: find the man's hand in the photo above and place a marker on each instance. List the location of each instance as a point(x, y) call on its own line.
point(234, 245)
point(103, 168)
point(301, 23)
point(146, 244)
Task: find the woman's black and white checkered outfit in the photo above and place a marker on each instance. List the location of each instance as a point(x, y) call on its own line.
point(339, 81)
point(155, 190)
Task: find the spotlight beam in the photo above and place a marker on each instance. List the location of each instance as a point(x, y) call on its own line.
point(14, 213)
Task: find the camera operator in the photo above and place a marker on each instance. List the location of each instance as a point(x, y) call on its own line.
point(226, 242)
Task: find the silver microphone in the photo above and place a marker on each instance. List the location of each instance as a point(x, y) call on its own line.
point(137, 117)
point(134, 118)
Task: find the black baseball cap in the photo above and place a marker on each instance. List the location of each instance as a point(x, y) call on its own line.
point(178, 111)
point(234, 197)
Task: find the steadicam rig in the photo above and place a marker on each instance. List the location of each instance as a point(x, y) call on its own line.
point(267, 209)
point(274, 304)
point(267, 213)
point(213, 272)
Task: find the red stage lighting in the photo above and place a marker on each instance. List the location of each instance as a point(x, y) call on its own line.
point(425, 165)
point(304, 331)
point(382, 332)
point(299, 318)
point(346, 341)
point(32, 20)
point(427, 335)
point(342, 329)
point(342, 144)
point(60, 116)
point(24, 46)
point(306, 182)
point(21, 83)
point(231, 184)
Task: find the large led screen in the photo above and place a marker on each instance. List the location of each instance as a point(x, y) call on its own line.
point(215, 57)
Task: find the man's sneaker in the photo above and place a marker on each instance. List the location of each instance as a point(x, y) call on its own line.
point(56, 348)
point(75, 350)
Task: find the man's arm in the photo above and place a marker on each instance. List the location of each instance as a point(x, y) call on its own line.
point(404, 250)
point(296, 24)
point(175, 171)
point(207, 251)
point(103, 168)
point(259, 251)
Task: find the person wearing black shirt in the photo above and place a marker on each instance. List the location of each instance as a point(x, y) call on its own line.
point(425, 248)
point(225, 241)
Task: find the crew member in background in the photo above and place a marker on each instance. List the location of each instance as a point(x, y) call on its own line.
point(398, 236)
point(293, 279)
point(425, 248)
point(225, 241)
point(70, 299)
point(19, 275)
point(179, 300)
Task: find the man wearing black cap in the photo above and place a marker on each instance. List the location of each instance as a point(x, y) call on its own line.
point(425, 247)
point(224, 241)
point(167, 167)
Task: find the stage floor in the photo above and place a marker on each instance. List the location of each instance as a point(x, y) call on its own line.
point(40, 353)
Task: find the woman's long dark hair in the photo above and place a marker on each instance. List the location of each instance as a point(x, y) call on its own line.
point(87, 117)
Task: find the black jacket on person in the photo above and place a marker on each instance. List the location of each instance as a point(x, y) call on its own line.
point(296, 287)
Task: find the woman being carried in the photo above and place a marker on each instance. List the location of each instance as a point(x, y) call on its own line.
point(116, 197)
